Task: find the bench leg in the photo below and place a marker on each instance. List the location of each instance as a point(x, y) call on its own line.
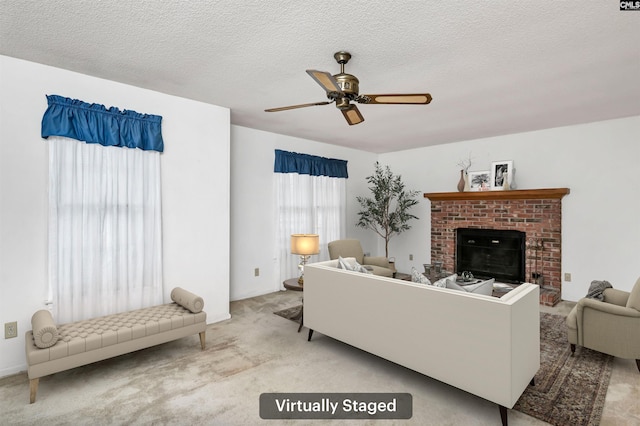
point(33, 389)
point(203, 339)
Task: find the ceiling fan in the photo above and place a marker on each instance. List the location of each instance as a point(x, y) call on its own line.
point(343, 88)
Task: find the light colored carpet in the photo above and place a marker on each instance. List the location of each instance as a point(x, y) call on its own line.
point(255, 352)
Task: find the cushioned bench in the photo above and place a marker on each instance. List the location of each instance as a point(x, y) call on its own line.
point(51, 349)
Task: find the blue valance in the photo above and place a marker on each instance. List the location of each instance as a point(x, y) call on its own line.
point(94, 123)
point(304, 164)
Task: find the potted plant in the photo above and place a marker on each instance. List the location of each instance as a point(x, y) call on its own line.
point(387, 213)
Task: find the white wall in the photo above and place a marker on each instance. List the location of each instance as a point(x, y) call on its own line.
point(195, 174)
point(598, 162)
point(253, 222)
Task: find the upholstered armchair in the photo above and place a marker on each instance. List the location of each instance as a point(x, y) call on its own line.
point(611, 326)
point(378, 265)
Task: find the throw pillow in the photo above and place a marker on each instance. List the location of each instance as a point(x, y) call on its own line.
point(356, 267)
point(453, 285)
point(443, 281)
point(45, 332)
point(187, 300)
point(343, 264)
point(483, 287)
point(359, 268)
point(418, 277)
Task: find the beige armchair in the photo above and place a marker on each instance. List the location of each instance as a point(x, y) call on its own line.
point(379, 265)
point(611, 326)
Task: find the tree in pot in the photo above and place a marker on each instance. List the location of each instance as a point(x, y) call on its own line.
point(387, 213)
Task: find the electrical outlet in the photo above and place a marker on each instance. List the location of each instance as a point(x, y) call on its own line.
point(567, 277)
point(256, 272)
point(410, 257)
point(10, 330)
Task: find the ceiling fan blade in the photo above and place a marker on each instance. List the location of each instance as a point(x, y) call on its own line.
point(409, 98)
point(325, 80)
point(296, 106)
point(352, 115)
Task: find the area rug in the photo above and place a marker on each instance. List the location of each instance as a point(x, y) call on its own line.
point(569, 390)
point(290, 313)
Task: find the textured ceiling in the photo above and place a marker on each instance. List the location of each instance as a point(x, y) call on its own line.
point(492, 67)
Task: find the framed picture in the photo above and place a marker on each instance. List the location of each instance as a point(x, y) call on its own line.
point(479, 180)
point(500, 170)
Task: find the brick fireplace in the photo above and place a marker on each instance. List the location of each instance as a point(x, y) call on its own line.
point(538, 213)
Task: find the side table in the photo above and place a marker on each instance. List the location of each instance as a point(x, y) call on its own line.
point(292, 284)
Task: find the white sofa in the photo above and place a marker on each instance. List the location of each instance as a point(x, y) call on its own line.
point(484, 345)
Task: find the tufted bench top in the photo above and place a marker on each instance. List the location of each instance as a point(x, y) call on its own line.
point(84, 336)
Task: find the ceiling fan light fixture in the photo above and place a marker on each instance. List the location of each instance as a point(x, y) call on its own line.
point(348, 83)
point(342, 103)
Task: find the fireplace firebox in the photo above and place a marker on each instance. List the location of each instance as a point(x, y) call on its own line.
point(491, 253)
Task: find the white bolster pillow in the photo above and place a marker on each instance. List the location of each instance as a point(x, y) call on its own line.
point(187, 299)
point(45, 332)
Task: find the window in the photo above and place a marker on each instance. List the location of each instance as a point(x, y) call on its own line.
point(105, 222)
point(310, 199)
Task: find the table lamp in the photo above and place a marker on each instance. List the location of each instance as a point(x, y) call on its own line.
point(304, 245)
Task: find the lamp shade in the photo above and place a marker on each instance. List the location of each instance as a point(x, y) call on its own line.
point(305, 244)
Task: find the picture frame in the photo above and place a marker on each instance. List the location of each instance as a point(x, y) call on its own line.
point(500, 170)
point(479, 180)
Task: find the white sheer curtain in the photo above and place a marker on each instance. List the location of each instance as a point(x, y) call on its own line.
point(307, 205)
point(105, 244)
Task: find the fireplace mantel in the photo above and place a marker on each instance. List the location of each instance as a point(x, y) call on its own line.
point(518, 194)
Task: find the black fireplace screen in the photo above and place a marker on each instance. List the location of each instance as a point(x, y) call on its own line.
point(491, 253)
